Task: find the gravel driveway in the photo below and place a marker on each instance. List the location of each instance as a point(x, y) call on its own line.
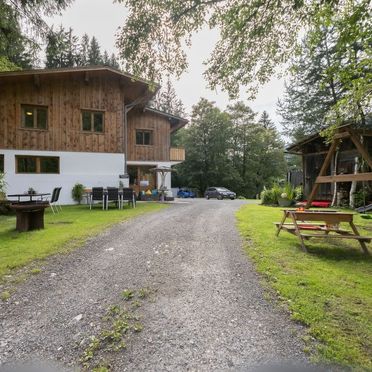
point(207, 310)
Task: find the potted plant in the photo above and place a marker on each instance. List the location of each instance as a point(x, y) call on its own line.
point(77, 192)
point(283, 200)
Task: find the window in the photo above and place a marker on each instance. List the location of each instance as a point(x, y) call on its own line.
point(34, 117)
point(1, 163)
point(37, 164)
point(144, 137)
point(92, 121)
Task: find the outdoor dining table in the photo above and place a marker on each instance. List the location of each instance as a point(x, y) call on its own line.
point(320, 224)
point(30, 213)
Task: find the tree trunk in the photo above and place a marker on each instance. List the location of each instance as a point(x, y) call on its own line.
point(353, 185)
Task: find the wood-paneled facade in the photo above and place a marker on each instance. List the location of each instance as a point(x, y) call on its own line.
point(314, 150)
point(65, 94)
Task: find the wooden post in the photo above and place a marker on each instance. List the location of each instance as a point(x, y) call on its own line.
point(323, 170)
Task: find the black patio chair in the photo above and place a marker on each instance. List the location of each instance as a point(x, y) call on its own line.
point(97, 195)
point(128, 196)
point(54, 200)
point(113, 196)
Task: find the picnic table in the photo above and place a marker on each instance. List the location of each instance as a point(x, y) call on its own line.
point(308, 224)
point(29, 214)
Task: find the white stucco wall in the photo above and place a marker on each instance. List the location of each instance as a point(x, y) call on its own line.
point(90, 169)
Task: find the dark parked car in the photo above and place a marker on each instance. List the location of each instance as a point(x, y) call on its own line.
point(219, 193)
point(184, 192)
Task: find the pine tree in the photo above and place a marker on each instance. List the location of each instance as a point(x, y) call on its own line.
point(265, 121)
point(113, 61)
point(166, 100)
point(84, 50)
point(94, 52)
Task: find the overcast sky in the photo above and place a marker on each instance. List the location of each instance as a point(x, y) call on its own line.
point(102, 18)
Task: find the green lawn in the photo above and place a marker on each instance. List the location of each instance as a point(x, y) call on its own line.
point(328, 289)
point(63, 231)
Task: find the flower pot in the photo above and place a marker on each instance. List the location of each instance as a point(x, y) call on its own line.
point(284, 202)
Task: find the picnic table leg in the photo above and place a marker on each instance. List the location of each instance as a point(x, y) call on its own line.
point(356, 232)
point(281, 223)
point(298, 233)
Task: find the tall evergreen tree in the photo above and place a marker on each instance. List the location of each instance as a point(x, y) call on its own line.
point(94, 52)
point(84, 50)
point(265, 121)
point(15, 47)
point(167, 100)
point(311, 92)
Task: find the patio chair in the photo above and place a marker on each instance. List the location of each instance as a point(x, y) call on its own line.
point(53, 202)
point(128, 196)
point(113, 196)
point(97, 195)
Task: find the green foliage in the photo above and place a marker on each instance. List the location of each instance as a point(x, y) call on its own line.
point(78, 192)
point(4, 296)
point(62, 232)
point(229, 149)
point(287, 191)
point(327, 289)
point(3, 185)
point(63, 49)
point(6, 65)
point(331, 75)
point(166, 100)
point(127, 294)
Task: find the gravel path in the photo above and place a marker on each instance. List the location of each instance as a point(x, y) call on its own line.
point(208, 310)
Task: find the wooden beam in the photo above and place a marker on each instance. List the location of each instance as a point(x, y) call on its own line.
point(86, 77)
point(345, 178)
point(361, 149)
point(323, 170)
point(341, 135)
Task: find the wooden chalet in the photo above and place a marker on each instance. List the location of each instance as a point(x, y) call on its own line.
point(326, 163)
point(90, 125)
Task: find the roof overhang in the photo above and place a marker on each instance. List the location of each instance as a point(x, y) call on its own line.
point(135, 87)
point(176, 122)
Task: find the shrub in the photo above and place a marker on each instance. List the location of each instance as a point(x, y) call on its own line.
point(2, 186)
point(77, 192)
point(287, 191)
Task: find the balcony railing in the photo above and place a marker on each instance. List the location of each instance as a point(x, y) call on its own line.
point(177, 154)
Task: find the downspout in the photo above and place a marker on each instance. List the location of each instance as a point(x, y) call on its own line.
point(127, 108)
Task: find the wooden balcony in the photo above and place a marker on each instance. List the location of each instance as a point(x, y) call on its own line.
point(177, 154)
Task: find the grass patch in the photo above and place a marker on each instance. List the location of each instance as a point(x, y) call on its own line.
point(63, 232)
point(328, 289)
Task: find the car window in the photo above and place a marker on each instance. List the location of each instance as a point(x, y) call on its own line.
point(221, 189)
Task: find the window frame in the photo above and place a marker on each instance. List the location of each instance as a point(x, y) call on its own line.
point(143, 131)
point(35, 109)
point(92, 113)
point(2, 163)
point(38, 164)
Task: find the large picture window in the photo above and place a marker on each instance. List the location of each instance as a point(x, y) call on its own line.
point(144, 137)
point(37, 164)
point(92, 121)
point(34, 117)
point(1, 163)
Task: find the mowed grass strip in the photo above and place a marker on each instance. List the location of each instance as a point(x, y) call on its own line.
point(328, 289)
point(63, 231)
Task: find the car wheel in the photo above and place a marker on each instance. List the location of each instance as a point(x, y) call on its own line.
point(219, 197)
point(232, 198)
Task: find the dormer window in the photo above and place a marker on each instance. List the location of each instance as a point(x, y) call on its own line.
point(34, 117)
